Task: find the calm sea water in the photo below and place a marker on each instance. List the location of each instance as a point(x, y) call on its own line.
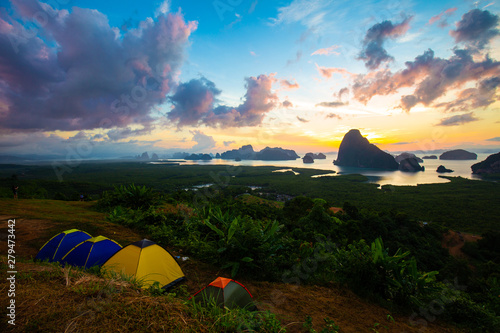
point(382, 177)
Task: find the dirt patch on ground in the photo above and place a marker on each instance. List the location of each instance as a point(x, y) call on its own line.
point(29, 234)
point(293, 303)
point(455, 240)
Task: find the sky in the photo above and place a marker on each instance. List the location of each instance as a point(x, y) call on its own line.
point(87, 79)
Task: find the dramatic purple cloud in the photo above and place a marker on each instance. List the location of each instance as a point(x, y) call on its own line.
point(194, 104)
point(476, 29)
point(373, 52)
point(78, 73)
point(193, 101)
point(458, 119)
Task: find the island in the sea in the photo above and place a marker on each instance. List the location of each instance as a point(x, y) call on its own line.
point(319, 156)
point(443, 169)
point(267, 154)
point(458, 154)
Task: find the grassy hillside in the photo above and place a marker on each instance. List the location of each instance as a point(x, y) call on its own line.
point(54, 299)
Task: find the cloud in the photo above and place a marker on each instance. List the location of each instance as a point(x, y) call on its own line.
point(338, 102)
point(334, 104)
point(203, 141)
point(373, 52)
point(403, 143)
point(236, 21)
point(310, 13)
point(287, 104)
point(441, 18)
point(164, 8)
point(476, 29)
point(123, 133)
point(494, 139)
point(298, 56)
point(252, 6)
point(327, 51)
point(431, 76)
point(79, 73)
point(302, 120)
point(333, 115)
point(458, 120)
point(80, 146)
point(480, 97)
point(305, 35)
point(287, 85)
point(228, 143)
point(408, 102)
point(327, 72)
point(195, 103)
point(341, 93)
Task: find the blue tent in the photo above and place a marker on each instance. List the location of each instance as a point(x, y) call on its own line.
point(59, 245)
point(92, 252)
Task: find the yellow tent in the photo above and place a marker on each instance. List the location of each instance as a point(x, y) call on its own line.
point(147, 262)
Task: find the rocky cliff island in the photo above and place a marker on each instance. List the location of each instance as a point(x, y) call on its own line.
point(357, 151)
point(410, 165)
point(404, 156)
point(308, 159)
point(489, 166)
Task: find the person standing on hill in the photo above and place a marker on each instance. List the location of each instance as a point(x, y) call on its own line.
point(14, 190)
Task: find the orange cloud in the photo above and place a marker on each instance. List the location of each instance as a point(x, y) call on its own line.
point(327, 72)
point(327, 51)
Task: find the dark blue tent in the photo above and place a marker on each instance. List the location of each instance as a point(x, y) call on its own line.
point(92, 252)
point(59, 245)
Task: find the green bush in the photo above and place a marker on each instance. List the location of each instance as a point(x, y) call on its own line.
point(235, 320)
point(236, 242)
point(371, 271)
point(131, 196)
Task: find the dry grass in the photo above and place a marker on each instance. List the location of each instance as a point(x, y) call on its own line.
point(54, 299)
